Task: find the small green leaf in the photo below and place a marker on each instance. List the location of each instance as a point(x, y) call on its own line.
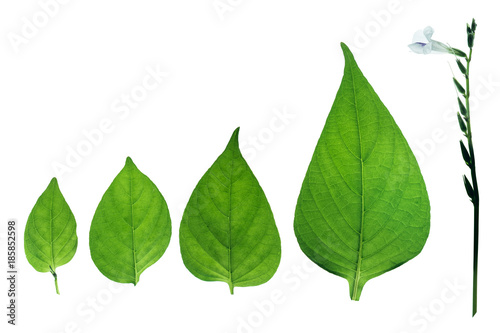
point(459, 86)
point(363, 209)
point(465, 153)
point(131, 227)
point(468, 187)
point(228, 231)
point(463, 110)
point(50, 239)
point(461, 123)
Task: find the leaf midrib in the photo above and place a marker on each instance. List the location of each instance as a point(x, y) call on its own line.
point(357, 277)
point(53, 264)
point(229, 266)
point(133, 231)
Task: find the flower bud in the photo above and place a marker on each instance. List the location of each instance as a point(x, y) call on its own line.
point(462, 67)
point(458, 52)
point(470, 40)
point(461, 122)
point(473, 25)
point(468, 188)
point(459, 86)
point(465, 153)
point(461, 105)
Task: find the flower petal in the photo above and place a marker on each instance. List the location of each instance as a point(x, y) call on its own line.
point(428, 48)
point(428, 32)
point(419, 37)
point(417, 47)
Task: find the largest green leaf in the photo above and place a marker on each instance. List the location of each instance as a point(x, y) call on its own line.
point(50, 239)
point(228, 231)
point(131, 227)
point(363, 208)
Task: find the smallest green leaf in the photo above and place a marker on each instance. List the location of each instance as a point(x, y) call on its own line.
point(461, 122)
point(459, 86)
point(465, 153)
point(50, 239)
point(463, 109)
point(468, 187)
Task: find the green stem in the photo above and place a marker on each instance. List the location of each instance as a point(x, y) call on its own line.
point(475, 199)
point(57, 287)
point(53, 272)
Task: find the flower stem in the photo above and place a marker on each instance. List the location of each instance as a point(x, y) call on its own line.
point(475, 197)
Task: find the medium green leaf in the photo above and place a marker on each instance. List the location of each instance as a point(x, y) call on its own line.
point(50, 239)
point(131, 227)
point(363, 208)
point(228, 231)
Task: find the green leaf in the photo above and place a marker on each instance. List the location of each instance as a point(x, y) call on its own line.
point(363, 208)
point(131, 227)
point(228, 231)
point(50, 239)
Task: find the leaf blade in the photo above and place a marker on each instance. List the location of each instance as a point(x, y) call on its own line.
point(357, 169)
point(227, 230)
point(131, 228)
point(50, 238)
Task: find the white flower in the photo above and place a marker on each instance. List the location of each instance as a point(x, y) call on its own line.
point(423, 44)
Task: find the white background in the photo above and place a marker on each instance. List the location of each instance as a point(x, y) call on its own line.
point(242, 68)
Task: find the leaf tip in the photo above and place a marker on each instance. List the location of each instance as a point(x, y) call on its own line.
point(345, 49)
point(233, 142)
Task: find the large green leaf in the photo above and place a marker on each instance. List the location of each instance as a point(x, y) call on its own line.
point(228, 231)
point(50, 237)
point(363, 208)
point(131, 227)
